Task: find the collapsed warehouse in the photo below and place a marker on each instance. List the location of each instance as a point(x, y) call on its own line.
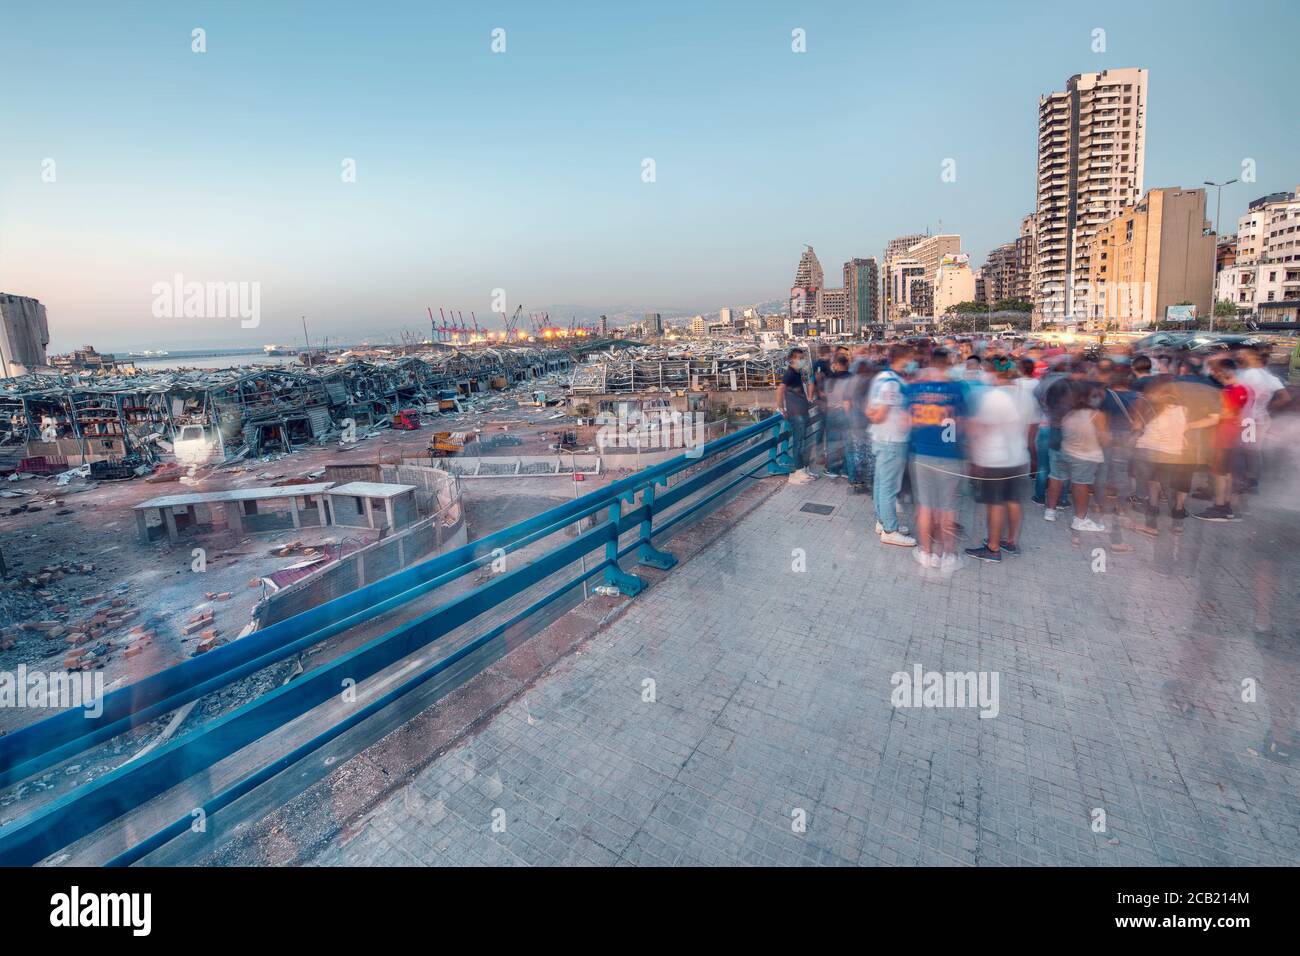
point(671, 369)
point(132, 421)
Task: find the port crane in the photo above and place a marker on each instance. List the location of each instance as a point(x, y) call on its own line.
point(513, 321)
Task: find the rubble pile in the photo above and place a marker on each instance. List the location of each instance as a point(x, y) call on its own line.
point(134, 422)
point(680, 367)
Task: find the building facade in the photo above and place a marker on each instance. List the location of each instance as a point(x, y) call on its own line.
point(954, 282)
point(1027, 259)
point(931, 250)
point(999, 275)
point(906, 289)
point(1264, 278)
point(806, 292)
point(1151, 256)
point(891, 297)
point(862, 291)
point(1091, 154)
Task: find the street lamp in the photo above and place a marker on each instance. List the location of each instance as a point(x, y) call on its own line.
point(1214, 261)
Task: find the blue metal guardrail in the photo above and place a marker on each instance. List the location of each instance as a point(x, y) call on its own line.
point(90, 806)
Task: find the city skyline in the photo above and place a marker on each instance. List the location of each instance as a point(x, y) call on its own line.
point(524, 170)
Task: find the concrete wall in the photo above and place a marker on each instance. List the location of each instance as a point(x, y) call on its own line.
point(513, 466)
point(427, 538)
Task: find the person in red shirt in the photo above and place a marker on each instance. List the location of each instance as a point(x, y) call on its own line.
point(1226, 461)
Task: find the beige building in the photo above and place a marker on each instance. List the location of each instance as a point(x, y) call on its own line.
point(1265, 278)
point(1151, 256)
point(930, 251)
point(953, 283)
point(1091, 153)
point(1270, 230)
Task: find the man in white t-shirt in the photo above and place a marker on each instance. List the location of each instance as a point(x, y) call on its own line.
point(889, 429)
point(999, 457)
point(1267, 392)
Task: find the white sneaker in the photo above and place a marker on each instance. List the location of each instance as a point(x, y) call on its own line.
point(898, 538)
point(1086, 524)
point(902, 529)
point(935, 560)
point(922, 558)
point(949, 563)
point(1049, 514)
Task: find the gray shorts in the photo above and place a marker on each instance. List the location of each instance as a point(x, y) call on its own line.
point(1068, 468)
point(935, 481)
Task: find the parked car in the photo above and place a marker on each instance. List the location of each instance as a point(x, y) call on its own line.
point(1162, 340)
point(1209, 344)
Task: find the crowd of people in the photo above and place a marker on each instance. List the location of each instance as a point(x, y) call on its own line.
point(1112, 440)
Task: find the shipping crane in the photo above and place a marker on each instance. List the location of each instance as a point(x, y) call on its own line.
point(513, 321)
point(447, 329)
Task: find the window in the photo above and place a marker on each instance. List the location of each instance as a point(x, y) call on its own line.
point(360, 505)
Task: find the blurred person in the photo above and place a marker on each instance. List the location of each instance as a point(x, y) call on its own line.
point(1142, 374)
point(1083, 439)
point(794, 397)
point(835, 384)
point(1120, 406)
point(936, 409)
point(1163, 456)
point(1268, 393)
point(999, 462)
point(1199, 395)
point(1055, 395)
point(889, 443)
point(857, 444)
point(1226, 461)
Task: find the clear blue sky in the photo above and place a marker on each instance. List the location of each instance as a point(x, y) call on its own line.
point(522, 170)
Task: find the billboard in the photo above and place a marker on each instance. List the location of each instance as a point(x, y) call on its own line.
point(1180, 313)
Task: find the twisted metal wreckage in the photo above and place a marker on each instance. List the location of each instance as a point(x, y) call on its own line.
point(73, 419)
point(653, 368)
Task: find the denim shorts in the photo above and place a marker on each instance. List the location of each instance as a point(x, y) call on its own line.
point(1066, 467)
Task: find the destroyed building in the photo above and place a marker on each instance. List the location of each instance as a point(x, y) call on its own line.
point(68, 420)
point(664, 369)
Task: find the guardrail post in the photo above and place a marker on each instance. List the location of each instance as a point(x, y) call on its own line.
point(647, 554)
point(779, 459)
point(628, 584)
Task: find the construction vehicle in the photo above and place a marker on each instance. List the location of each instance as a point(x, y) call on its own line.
point(448, 443)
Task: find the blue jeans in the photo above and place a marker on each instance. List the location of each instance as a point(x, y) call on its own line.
point(837, 439)
point(1042, 447)
point(798, 438)
point(891, 462)
point(857, 452)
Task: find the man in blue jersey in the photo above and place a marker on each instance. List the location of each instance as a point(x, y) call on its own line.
point(936, 409)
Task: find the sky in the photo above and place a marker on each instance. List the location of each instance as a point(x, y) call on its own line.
point(130, 159)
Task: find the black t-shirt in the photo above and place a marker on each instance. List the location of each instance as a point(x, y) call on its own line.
point(796, 399)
